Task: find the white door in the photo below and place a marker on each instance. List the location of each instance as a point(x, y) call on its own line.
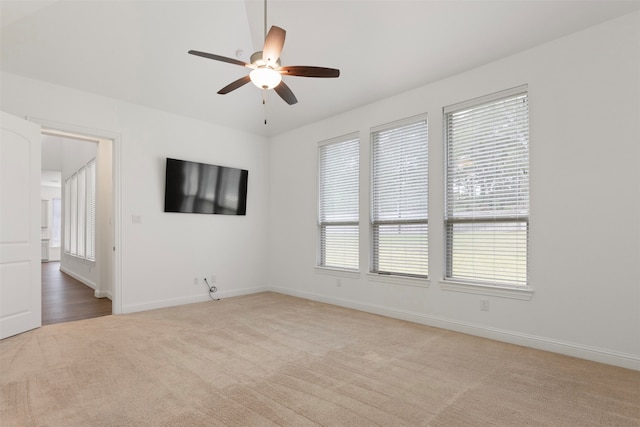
point(20, 298)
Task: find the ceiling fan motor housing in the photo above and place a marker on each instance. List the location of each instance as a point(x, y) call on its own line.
point(258, 61)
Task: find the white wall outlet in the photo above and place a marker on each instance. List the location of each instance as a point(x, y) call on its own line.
point(339, 283)
point(195, 280)
point(484, 304)
point(212, 279)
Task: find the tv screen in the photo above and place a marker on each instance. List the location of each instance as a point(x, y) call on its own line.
point(192, 187)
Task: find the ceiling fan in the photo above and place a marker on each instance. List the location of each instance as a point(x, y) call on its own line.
point(267, 71)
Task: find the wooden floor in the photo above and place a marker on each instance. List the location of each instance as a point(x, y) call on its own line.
point(65, 299)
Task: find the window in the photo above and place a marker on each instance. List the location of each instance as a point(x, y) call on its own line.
point(80, 212)
point(73, 213)
point(338, 221)
point(487, 193)
point(91, 211)
point(67, 216)
point(400, 198)
point(81, 209)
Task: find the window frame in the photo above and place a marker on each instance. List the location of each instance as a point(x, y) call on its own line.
point(321, 260)
point(66, 235)
point(375, 272)
point(475, 285)
point(90, 217)
point(78, 209)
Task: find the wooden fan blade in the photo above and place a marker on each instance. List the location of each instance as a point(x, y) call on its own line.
point(304, 71)
point(235, 85)
point(285, 93)
point(220, 58)
point(273, 44)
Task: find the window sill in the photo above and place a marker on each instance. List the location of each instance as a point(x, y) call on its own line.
point(524, 294)
point(352, 274)
point(82, 260)
point(399, 280)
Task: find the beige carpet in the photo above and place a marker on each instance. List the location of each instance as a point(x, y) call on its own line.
point(269, 359)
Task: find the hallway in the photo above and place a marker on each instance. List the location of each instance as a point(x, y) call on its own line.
point(65, 299)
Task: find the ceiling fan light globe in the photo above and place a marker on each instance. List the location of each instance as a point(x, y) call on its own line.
point(265, 78)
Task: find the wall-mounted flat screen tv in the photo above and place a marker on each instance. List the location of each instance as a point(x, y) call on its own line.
point(192, 187)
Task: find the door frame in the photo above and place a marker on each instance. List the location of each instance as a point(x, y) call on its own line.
point(52, 126)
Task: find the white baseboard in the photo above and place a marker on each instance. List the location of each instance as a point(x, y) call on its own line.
point(103, 294)
point(96, 292)
point(153, 305)
point(240, 292)
point(541, 343)
point(84, 280)
point(132, 308)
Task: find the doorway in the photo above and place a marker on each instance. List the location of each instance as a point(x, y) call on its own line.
point(86, 268)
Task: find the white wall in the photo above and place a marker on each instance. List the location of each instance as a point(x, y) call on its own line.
point(161, 255)
point(584, 95)
point(104, 219)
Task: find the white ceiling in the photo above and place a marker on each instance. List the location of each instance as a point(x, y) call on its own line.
point(136, 50)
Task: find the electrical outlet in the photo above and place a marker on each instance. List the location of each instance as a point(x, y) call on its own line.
point(484, 304)
point(213, 279)
point(195, 280)
point(339, 282)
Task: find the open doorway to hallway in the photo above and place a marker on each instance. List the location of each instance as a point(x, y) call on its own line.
point(77, 241)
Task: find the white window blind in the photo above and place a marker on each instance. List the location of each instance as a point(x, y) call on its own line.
point(73, 239)
point(82, 210)
point(487, 194)
point(339, 203)
point(400, 198)
point(67, 216)
point(80, 213)
point(91, 211)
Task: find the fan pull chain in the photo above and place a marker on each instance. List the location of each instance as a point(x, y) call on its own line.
point(264, 102)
